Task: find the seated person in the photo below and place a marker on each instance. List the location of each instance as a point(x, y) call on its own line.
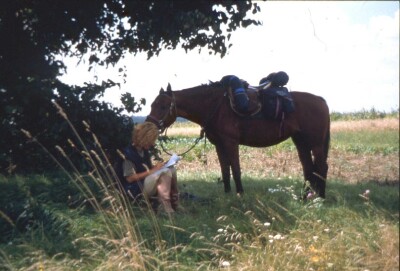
point(141, 177)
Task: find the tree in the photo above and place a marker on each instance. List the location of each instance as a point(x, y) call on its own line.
point(35, 32)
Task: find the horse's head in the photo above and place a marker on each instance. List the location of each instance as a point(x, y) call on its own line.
point(163, 109)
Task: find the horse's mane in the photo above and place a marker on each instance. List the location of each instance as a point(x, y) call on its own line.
point(213, 84)
point(209, 88)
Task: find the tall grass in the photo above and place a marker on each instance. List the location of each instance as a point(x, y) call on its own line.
point(268, 228)
point(75, 221)
point(118, 236)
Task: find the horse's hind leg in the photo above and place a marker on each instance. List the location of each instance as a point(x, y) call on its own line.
point(320, 170)
point(304, 152)
point(234, 162)
point(225, 169)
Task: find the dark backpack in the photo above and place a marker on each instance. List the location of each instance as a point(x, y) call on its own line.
point(275, 101)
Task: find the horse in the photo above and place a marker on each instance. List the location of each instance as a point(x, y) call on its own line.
point(208, 106)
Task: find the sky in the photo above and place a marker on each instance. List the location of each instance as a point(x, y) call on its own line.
point(345, 51)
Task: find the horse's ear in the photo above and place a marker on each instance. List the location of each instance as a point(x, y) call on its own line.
point(161, 90)
point(169, 88)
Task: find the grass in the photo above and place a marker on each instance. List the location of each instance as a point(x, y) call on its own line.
point(75, 222)
point(268, 228)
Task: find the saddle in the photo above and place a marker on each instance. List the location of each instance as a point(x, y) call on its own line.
point(266, 101)
point(254, 105)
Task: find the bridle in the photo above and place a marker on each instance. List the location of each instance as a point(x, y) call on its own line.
point(161, 122)
point(172, 110)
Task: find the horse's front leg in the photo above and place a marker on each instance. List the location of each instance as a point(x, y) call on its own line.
point(224, 164)
point(230, 154)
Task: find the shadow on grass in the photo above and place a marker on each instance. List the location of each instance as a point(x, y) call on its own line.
point(52, 204)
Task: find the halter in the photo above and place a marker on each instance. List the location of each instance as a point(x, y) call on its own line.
point(172, 109)
point(160, 124)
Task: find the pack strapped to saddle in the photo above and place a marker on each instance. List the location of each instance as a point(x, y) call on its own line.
point(270, 99)
point(276, 101)
point(237, 90)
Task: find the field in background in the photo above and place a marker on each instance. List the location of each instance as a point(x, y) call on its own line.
point(47, 223)
point(192, 129)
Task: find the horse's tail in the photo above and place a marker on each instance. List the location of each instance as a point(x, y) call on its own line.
point(327, 138)
point(327, 141)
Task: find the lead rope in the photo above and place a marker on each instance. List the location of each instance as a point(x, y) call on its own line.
point(203, 155)
point(188, 150)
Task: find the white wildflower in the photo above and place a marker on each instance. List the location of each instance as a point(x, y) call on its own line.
point(225, 264)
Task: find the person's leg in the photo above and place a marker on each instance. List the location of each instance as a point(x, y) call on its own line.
point(150, 191)
point(174, 189)
point(164, 191)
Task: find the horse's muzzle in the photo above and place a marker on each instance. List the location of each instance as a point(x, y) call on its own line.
point(158, 123)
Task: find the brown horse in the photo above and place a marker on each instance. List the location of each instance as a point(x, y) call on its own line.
point(208, 106)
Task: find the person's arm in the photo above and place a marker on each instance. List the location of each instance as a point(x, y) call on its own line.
point(138, 176)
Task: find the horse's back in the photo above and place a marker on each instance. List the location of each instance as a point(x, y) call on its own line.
point(309, 104)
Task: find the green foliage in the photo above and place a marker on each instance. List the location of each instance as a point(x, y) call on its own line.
point(47, 126)
point(32, 202)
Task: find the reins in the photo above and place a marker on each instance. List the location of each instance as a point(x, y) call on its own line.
point(197, 140)
point(160, 123)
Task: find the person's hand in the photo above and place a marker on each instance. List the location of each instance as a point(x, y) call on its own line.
point(158, 166)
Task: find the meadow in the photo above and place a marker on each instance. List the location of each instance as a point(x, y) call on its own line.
point(79, 222)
